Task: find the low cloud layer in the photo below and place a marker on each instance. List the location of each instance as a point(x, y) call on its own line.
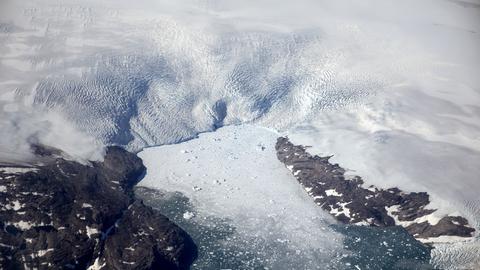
point(22, 126)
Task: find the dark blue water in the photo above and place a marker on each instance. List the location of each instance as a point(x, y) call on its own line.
point(364, 247)
point(383, 248)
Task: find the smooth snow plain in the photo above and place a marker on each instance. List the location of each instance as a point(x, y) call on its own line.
point(390, 88)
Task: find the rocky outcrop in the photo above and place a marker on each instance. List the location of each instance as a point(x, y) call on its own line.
point(152, 243)
point(350, 202)
point(67, 215)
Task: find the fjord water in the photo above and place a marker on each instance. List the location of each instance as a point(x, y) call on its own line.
point(246, 211)
point(219, 248)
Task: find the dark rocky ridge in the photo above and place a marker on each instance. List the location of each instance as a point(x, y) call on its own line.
point(351, 203)
point(66, 215)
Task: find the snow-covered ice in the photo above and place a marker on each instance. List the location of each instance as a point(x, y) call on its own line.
point(156, 72)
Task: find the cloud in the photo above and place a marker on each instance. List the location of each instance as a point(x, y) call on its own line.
point(22, 126)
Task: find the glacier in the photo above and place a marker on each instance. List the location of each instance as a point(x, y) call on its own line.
point(390, 88)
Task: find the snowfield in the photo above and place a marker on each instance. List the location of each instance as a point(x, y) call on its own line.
point(390, 88)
